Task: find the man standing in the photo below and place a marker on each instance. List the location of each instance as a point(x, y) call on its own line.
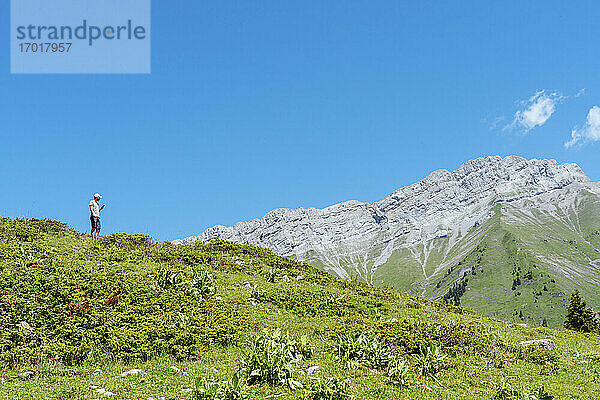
point(95, 217)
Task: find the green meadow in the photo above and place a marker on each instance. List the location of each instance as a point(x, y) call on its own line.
point(127, 317)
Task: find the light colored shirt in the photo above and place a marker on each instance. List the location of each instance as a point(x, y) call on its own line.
point(95, 208)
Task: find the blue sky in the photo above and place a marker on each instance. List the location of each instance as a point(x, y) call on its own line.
point(251, 107)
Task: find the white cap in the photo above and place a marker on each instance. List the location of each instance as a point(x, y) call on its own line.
point(97, 195)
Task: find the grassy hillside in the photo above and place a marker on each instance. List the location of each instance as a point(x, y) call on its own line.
point(499, 278)
point(127, 316)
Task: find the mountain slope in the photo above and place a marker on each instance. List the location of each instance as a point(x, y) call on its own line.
point(411, 238)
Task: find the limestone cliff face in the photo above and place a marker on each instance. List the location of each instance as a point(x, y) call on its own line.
point(358, 237)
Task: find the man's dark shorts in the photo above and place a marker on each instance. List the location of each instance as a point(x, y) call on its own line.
point(95, 222)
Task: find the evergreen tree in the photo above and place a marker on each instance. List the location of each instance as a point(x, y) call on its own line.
point(455, 292)
point(579, 316)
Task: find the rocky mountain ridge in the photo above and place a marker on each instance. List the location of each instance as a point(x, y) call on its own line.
point(444, 203)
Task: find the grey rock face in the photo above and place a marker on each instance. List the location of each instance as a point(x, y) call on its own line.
point(355, 237)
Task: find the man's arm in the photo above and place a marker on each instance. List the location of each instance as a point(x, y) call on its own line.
point(91, 210)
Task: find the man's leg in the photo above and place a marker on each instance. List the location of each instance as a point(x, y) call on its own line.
point(95, 227)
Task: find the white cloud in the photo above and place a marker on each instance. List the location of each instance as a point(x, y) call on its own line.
point(535, 111)
point(496, 121)
point(590, 132)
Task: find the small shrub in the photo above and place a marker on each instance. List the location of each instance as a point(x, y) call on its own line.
point(271, 275)
point(397, 371)
point(549, 369)
point(430, 360)
point(540, 394)
point(505, 391)
point(366, 348)
point(506, 394)
point(258, 295)
point(592, 364)
point(233, 389)
point(464, 337)
point(538, 356)
point(201, 286)
point(168, 279)
point(330, 389)
point(272, 357)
